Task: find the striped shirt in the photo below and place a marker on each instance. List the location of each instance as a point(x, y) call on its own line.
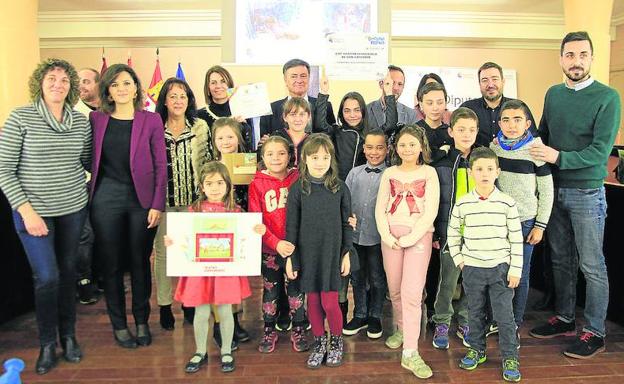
point(529, 182)
point(43, 161)
point(484, 233)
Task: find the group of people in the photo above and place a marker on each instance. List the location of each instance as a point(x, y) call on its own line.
point(361, 199)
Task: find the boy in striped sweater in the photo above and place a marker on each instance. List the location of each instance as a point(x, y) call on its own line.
point(485, 241)
point(530, 184)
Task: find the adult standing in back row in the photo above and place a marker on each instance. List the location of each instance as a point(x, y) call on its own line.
point(578, 128)
point(487, 107)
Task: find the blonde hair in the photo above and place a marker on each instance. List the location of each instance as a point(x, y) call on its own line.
point(208, 169)
point(236, 128)
point(312, 145)
point(421, 136)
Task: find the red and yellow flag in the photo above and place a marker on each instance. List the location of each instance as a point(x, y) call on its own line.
point(154, 89)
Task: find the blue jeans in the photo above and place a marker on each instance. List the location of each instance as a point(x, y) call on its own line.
point(522, 291)
point(53, 259)
point(576, 232)
point(372, 272)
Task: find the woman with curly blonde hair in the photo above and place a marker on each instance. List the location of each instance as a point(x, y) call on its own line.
point(44, 149)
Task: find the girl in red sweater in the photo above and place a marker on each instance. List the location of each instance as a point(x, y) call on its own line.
point(267, 194)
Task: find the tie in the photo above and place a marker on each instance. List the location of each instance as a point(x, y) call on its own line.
point(369, 170)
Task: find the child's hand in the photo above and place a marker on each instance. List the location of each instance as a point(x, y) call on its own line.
point(324, 83)
point(285, 248)
point(292, 275)
point(168, 241)
point(513, 281)
point(387, 84)
point(535, 236)
point(436, 244)
point(352, 221)
point(396, 245)
point(263, 139)
point(260, 229)
point(345, 268)
point(461, 266)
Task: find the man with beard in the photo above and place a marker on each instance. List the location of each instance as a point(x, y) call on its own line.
point(89, 98)
point(487, 108)
point(578, 128)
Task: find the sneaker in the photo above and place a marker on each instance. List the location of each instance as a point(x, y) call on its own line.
point(491, 330)
point(87, 292)
point(555, 327)
point(417, 365)
point(586, 346)
point(269, 339)
point(374, 330)
point(336, 351)
point(472, 359)
point(440, 336)
point(318, 352)
point(395, 340)
point(354, 326)
point(299, 340)
point(511, 370)
point(462, 332)
point(283, 324)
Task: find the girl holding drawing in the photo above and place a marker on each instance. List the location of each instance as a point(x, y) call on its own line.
point(216, 195)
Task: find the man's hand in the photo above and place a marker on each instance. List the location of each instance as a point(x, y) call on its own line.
point(540, 151)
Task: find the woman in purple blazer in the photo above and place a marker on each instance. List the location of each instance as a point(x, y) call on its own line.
point(129, 177)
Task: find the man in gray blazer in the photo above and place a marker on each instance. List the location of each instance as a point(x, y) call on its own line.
point(375, 110)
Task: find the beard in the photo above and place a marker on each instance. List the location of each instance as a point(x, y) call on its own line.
point(494, 97)
point(576, 77)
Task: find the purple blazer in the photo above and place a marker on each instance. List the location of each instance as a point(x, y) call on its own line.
point(148, 158)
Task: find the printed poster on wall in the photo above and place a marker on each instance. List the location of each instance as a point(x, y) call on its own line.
point(357, 56)
point(213, 244)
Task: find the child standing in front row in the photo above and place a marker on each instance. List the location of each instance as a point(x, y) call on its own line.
point(455, 182)
point(529, 182)
point(317, 224)
point(406, 207)
point(268, 194)
point(200, 292)
point(485, 240)
point(363, 181)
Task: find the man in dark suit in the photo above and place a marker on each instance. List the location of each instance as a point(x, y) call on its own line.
point(296, 77)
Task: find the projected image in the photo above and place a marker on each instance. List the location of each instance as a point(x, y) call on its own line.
point(274, 31)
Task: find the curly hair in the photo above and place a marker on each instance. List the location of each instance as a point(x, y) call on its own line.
point(47, 65)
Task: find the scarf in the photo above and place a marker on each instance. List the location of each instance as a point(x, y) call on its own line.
point(513, 144)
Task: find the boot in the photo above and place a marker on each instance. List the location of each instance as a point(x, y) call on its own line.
point(318, 352)
point(167, 320)
point(47, 359)
point(241, 334)
point(336, 351)
point(189, 314)
point(71, 349)
point(344, 308)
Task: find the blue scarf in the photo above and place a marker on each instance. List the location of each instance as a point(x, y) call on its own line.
point(513, 144)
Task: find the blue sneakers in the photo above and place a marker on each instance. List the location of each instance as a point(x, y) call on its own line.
point(511, 370)
point(440, 336)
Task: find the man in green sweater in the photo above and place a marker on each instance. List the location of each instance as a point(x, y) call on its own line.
point(578, 127)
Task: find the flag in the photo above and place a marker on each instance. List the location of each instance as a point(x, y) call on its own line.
point(180, 73)
point(129, 61)
point(154, 88)
point(104, 66)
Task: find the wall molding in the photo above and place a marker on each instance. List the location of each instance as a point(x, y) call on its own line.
point(418, 28)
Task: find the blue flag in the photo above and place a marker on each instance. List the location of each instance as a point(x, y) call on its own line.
point(180, 73)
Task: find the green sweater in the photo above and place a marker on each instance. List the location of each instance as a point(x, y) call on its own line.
point(582, 126)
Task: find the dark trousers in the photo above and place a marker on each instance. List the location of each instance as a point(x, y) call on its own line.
point(273, 282)
point(85, 252)
point(52, 259)
point(122, 239)
point(480, 283)
point(371, 273)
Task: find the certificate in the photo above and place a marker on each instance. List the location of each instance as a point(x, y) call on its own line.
point(250, 100)
point(357, 56)
point(213, 244)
